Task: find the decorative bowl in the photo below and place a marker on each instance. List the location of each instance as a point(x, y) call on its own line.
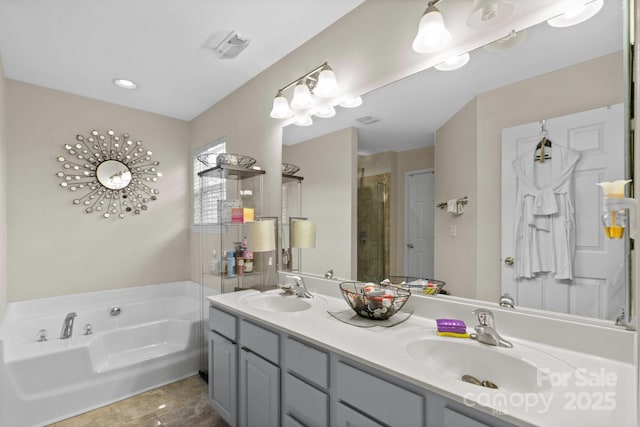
point(238, 160)
point(289, 169)
point(415, 284)
point(373, 301)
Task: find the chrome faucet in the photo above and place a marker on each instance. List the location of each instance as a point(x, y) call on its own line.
point(328, 274)
point(485, 330)
point(67, 326)
point(300, 289)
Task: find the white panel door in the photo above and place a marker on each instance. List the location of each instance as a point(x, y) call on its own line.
point(597, 289)
point(419, 207)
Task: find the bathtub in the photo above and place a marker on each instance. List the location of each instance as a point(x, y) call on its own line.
point(153, 341)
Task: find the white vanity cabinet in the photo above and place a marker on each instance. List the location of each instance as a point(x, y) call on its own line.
point(306, 382)
point(261, 375)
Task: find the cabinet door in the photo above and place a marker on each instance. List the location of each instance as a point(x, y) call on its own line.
point(259, 391)
point(347, 417)
point(223, 377)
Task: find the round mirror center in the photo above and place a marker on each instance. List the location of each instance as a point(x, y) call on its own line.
point(113, 174)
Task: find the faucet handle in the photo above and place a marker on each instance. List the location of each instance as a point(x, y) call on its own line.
point(485, 317)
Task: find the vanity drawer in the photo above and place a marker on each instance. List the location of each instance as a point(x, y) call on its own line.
point(260, 341)
point(305, 403)
point(222, 322)
point(387, 402)
point(307, 362)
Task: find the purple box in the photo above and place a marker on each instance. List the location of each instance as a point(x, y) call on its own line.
point(451, 325)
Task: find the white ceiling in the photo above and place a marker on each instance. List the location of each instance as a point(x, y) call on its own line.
point(166, 46)
point(411, 110)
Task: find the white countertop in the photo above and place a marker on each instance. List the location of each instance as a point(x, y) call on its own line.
point(580, 389)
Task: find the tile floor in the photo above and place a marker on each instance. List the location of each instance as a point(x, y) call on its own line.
point(179, 404)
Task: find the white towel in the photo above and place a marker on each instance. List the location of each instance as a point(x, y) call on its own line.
point(455, 207)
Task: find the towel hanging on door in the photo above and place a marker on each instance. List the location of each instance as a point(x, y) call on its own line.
point(545, 216)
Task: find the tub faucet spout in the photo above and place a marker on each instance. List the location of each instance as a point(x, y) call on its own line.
point(67, 326)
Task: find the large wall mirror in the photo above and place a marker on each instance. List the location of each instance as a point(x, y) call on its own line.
point(451, 125)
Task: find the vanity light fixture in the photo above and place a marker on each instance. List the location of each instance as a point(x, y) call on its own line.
point(580, 12)
point(303, 120)
point(432, 32)
point(321, 82)
point(354, 102)
point(453, 63)
point(486, 13)
point(125, 83)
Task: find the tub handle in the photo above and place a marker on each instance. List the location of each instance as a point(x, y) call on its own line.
point(115, 310)
point(88, 329)
point(42, 335)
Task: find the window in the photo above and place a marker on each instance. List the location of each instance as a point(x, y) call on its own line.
point(206, 198)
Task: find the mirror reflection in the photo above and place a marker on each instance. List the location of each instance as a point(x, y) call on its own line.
point(445, 130)
point(113, 174)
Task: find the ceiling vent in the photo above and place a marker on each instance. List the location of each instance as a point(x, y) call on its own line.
point(232, 45)
point(367, 120)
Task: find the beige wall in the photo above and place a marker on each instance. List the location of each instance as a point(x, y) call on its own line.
point(328, 165)
point(582, 87)
point(456, 169)
point(3, 196)
point(55, 248)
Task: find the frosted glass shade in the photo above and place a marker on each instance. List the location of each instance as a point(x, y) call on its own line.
point(303, 234)
point(486, 13)
point(327, 85)
point(303, 120)
point(432, 33)
point(262, 236)
point(326, 113)
point(301, 97)
point(352, 102)
point(281, 109)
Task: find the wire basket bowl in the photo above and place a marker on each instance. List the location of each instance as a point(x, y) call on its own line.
point(289, 169)
point(414, 284)
point(211, 160)
point(374, 301)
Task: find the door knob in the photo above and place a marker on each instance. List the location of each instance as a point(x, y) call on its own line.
point(410, 245)
point(508, 260)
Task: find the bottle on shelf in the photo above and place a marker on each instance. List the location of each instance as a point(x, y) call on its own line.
point(214, 263)
point(248, 261)
point(231, 264)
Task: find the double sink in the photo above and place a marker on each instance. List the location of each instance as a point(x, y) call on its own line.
point(521, 369)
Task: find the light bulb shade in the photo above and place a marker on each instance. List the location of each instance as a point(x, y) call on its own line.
point(582, 11)
point(614, 189)
point(488, 13)
point(352, 102)
point(432, 33)
point(303, 120)
point(281, 109)
point(453, 63)
point(301, 97)
point(327, 85)
point(325, 113)
point(262, 235)
point(303, 234)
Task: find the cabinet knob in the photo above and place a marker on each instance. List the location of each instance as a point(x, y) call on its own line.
point(508, 260)
point(410, 245)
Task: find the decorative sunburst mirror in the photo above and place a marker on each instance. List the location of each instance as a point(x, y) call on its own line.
point(112, 170)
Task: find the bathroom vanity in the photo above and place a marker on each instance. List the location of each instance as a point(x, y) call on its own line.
point(277, 359)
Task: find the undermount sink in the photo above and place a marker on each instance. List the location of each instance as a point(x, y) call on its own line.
point(520, 369)
point(277, 301)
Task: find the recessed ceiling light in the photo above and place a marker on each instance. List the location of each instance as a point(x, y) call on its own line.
point(579, 13)
point(125, 84)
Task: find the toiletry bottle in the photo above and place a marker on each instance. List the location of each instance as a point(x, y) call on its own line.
point(214, 263)
point(248, 261)
point(285, 258)
point(223, 263)
point(231, 263)
point(239, 265)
